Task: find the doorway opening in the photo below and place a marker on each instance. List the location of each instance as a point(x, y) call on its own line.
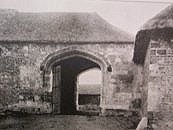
point(64, 83)
point(89, 90)
point(61, 71)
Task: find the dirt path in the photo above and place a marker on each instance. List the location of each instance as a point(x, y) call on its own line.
point(61, 122)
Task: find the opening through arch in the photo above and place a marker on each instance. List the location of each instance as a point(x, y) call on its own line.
point(60, 72)
point(89, 85)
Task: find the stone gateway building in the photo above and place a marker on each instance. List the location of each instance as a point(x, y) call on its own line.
point(42, 55)
point(43, 51)
point(153, 56)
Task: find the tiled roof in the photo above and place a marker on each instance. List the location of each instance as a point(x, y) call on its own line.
point(58, 27)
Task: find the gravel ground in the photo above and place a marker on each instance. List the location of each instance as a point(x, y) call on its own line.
point(61, 122)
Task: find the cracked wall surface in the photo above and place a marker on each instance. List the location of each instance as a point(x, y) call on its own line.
point(21, 78)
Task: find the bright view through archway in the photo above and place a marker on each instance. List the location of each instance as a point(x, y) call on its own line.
point(88, 89)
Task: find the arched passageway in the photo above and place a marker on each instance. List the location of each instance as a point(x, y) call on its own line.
point(69, 70)
point(64, 69)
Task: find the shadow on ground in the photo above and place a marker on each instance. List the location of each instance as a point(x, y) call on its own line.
point(61, 122)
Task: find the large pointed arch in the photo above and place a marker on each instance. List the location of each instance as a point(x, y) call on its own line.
point(75, 51)
point(72, 52)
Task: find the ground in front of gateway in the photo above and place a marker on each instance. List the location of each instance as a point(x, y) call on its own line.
point(62, 122)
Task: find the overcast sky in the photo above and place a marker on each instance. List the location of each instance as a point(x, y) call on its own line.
point(91, 76)
point(129, 16)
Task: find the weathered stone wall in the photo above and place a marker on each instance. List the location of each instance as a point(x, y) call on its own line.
point(21, 79)
point(160, 90)
point(161, 66)
point(140, 82)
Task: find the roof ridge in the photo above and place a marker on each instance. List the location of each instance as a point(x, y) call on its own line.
point(155, 22)
point(61, 26)
point(8, 10)
point(60, 12)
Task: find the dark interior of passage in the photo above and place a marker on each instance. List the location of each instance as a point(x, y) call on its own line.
point(65, 82)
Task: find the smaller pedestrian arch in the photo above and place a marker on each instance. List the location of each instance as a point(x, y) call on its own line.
point(60, 70)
